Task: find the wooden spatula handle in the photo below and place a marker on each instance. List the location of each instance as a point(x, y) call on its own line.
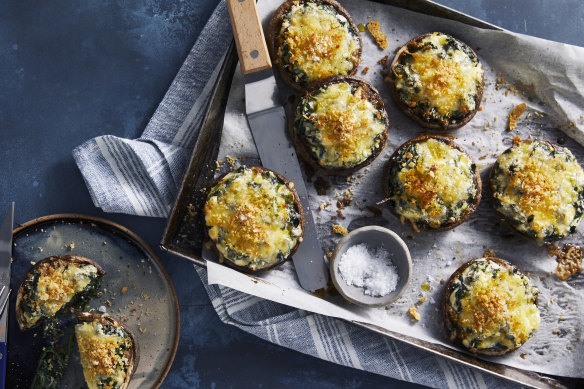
point(249, 36)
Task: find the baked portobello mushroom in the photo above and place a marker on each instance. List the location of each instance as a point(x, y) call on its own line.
point(538, 188)
point(490, 307)
point(109, 352)
point(309, 40)
point(432, 183)
point(437, 81)
point(339, 124)
point(55, 284)
point(254, 218)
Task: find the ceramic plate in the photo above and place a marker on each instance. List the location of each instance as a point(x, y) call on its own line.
point(149, 306)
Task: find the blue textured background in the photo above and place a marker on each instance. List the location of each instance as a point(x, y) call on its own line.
point(72, 70)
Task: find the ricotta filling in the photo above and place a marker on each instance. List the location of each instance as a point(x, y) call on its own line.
point(317, 42)
point(495, 308)
point(252, 218)
point(439, 77)
point(339, 126)
point(433, 183)
point(541, 190)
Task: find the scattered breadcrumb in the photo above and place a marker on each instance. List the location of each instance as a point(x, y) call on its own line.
point(338, 229)
point(366, 70)
point(321, 186)
point(344, 202)
point(489, 254)
point(329, 255)
point(375, 31)
point(70, 246)
point(414, 313)
point(502, 83)
point(515, 114)
point(230, 160)
point(124, 290)
point(569, 260)
point(516, 140)
point(383, 61)
point(191, 210)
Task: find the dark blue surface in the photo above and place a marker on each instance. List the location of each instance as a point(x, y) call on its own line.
point(3, 351)
point(72, 70)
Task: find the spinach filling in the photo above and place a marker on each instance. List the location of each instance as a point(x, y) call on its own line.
point(409, 93)
point(32, 306)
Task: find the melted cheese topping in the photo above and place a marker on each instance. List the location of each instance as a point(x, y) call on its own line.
point(435, 186)
point(495, 308)
point(341, 127)
point(103, 356)
point(317, 42)
point(250, 217)
point(539, 190)
point(56, 286)
point(442, 77)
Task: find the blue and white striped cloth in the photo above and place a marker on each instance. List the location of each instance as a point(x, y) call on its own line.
point(142, 176)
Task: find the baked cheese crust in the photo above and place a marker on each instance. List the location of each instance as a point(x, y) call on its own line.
point(539, 189)
point(491, 307)
point(341, 124)
point(313, 40)
point(253, 217)
point(54, 284)
point(432, 183)
point(106, 350)
point(437, 80)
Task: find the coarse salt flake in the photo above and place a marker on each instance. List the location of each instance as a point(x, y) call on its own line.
point(370, 269)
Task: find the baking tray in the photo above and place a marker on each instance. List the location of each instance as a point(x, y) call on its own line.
point(183, 235)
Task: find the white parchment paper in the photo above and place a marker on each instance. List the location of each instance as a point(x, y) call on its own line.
point(549, 77)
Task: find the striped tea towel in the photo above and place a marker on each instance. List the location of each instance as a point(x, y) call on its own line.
point(142, 176)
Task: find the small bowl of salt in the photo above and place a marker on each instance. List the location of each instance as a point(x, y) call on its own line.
point(371, 266)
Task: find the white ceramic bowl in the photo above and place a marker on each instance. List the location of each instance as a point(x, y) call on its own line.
point(373, 237)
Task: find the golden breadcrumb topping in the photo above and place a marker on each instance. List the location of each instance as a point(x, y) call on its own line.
point(443, 78)
point(495, 306)
point(438, 184)
point(249, 213)
point(102, 354)
point(318, 41)
point(58, 282)
point(541, 186)
point(348, 125)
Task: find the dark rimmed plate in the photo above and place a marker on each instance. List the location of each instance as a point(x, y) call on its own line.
point(149, 305)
